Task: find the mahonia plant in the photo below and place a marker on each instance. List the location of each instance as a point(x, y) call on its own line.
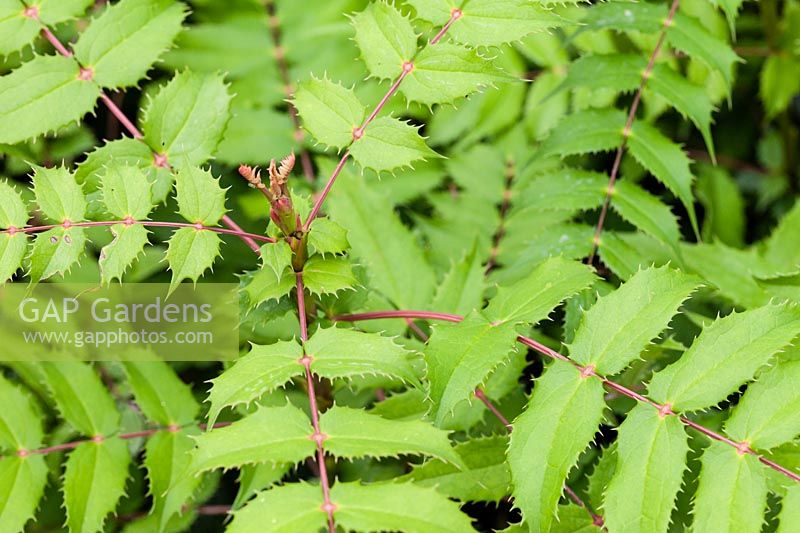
point(518, 265)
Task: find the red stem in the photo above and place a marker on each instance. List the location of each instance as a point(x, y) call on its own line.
point(117, 112)
point(664, 410)
point(479, 394)
point(627, 131)
point(248, 240)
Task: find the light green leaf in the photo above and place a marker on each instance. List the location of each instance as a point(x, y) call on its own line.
point(533, 298)
point(122, 43)
point(58, 195)
point(496, 22)
point(436, 11)
point(269, 435)
point(200, 198)
point(54, 11)
point(328, 275)
point(732, 494)
point(160, 393)
point(646, 212)
point(390, 143)
point(615, 330)
point(386, 39)
point(782, 248)
point(22, 483)
point(190, 253)
point(461, 290)
point(285, 509)
point(55, 251)
point(626, 16)
point(568, 189)
point(187, 117)
point(16, 30)
point(651, 460)
point(780, 81)
point(396, 507)
point(20, 427)
point(13, 213)
point(128, 244)
point(263, 287)
point(345, 353)
point(276, 258)
point(353, 433)
point(255, 478)
point(768, 414)
point(262, 370)
point(41, 96)
point(445, 72)
point(94, 480)
point(585, 132)
point(127, 192)
point(330, 111)
point(327, 237)
point(726, 354)
point(12, 252)
point(790, 510)
point(558, 424)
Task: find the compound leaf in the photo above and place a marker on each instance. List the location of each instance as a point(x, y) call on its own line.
point(200, 198)
point(330, 111)
point(282, 509)
point(389, 143)
point(58, 195)
point(160, 393)
point(190, 253)
point(328, 275)
point(386, 39)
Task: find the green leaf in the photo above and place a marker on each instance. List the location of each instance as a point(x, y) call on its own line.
point(262, 370)
point(445, 72)
point(291, 507)
point(569, 189)
point(55, 251)
point(20, 427)
point(666, 161)
point(263, 287)
point(726, 354)
point(58, 195)
point(94, 480)
point(389, 143)
point(12, 247)
point(128, 244)
point(395, 263)
point(13, 213)
point(436, 11)
point(386, 39)
point(255, 478)
point(81, 397)
point(782, 248)
point(187, 118)
point(353, 433)
point(269, 435)
point(461, 290)
point(461, 356)
point(41, 96)
point(16, 30)
point(22, 483)
point(584, 132)
point(626, 16)
point(276, 258)
point(190, 253)
point(122, 43)
point(790, 510)
point(330, 111)
point(127, 192)
point(615, 330)
point(396, 507)
point(533, 298)
point(496, 22)
point(651, 460)
point(768, 414)
point(328, 275)
point(54, 11)
point(327, 237)
point(732, 494)
point(160, 393)
point(200, 198)
point(780, 81)
point(344, 353)
point(558, 424)
point(646, 212)
point(485, 478)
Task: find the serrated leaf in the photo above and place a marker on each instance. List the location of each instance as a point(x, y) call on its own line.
point(122, 43)
point(41, 96)
point(255, 478)
point(94, 480)
point(396, 507)
point(344, 353)
point(128, 244)
point(533, 298)
point(461, 356)
point(269, 435)
point(58, 195)
point(262, 370)
point(328, 275)
point(13, 213)
point(127, 192)
point(625, 16)
point(200, 198)
point(327, 237)
point(284, 509)
point(16, 30)
point(55, 11)
point(353, 433)
point(22, 484)
point(646, 212)
point(190, 253)
point(651, 460)
point(725, 354)
point(790, 510)
point(584, 132)
point(330, 111)
point(732, 494)
point(386, 39)
point(81, 397)
point(435, 11)
point(55, 251)
point(12, 247)
point(160, 393)
point(496, 22)
point(445, 72)
point(263, 287)
point(568, 189)
point(20, 427)
point(187, 117)
point(782, 248)
point(615, 330)
point(276, 258)
point(768, 414)
point(389, 143)
point(461, 290)
point(485, 478)
point(557, 425)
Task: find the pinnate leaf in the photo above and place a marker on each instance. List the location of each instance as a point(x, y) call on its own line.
point(190, 253)
point(160, 393)
point(282, 509)
point(790, 510)
point(327, 237)
point(328, 275)
point(276, 258)
point(167, 459)
point(626, 16)
point(330, 111)
point(385, 37)
point(55, 251)
point(461, 290)
point(58, 195)
point(646, 212)
point(200, 198)
point(263, 286)
point(22, 483)
point(128, 244)
point(16, 30)
point(20, 428)
point(388, 144)
point(585, 132)
point(13, 214)
point(126, 192)
point(496, 22)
